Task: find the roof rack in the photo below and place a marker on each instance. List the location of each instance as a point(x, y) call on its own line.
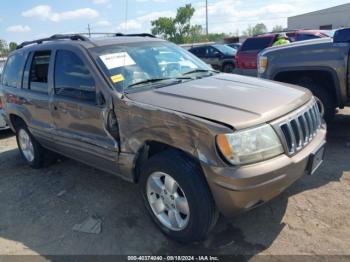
point(74, 37)
point(141, 35)
point(77, 37)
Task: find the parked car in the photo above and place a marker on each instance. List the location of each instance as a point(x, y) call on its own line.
point(197, 142)
point(246, 57)
point(3, 124)
point(235, 45)
point(321, 65)
point(219, 56)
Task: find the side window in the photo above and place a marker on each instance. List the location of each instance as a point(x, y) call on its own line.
point(39, 70)
point(12, 69)
point(303, 37)
point(72, 77)
point(211, 51)
point(199, 51)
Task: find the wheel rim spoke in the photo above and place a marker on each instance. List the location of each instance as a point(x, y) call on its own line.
point(170, 184)
point(156, 185)
point(175, 219)
point(182, 205)
point(158, 206)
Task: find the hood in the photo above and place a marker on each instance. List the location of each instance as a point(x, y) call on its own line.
point(234, 100)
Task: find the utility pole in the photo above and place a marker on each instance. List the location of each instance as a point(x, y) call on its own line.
point(206, 17)
point(89, 30)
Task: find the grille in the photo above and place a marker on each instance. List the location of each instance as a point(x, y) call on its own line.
point(299, 130)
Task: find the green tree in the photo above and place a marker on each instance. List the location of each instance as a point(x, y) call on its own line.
point(248, 31)
point(3, 47)
point(277, 28)
point(12, 46)
point(178, 29)
point(259, 29)
point(255, 30)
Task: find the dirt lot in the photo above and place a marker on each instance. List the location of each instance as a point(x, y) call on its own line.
point(38, 210)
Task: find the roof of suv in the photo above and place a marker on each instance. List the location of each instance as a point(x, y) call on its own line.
point(310, 31)
point(88, 42)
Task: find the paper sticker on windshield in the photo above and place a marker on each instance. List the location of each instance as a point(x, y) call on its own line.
point(116, 60)
point(117, 78)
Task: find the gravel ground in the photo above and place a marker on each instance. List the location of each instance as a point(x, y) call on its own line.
point(39, 208)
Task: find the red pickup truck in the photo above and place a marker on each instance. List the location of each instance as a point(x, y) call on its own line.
point(246, 56)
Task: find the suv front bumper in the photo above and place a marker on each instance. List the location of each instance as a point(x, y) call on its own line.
point(237, 189)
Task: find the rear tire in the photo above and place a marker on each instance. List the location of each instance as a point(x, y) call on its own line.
point(30, 149)
point(200, 214)
point(228, 68)
point(326, 97)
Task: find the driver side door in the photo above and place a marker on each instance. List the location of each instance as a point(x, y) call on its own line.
point(79, 120)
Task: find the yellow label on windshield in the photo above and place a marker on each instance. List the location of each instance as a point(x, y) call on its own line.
point(117, 78)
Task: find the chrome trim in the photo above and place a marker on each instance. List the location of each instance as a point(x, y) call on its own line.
point(298, 129)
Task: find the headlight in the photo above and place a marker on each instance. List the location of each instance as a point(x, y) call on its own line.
point(250, 145)
point(262, 64)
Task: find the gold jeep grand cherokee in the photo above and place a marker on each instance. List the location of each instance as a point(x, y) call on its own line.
point(197, 142)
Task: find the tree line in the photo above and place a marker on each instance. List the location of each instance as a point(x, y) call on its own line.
point(179, 29)
point(5, 48)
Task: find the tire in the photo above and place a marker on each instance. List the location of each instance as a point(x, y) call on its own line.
point(228, 68)
point(36, 157)
point(326, 97)
point(200, 214)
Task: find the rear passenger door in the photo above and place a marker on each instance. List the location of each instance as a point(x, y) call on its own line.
point(30, 99)
point(79, 119)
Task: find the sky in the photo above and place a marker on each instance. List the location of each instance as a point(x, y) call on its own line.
point(31, 19)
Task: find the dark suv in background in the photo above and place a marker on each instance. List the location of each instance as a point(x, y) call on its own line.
point(246, 57)
point(221, 57)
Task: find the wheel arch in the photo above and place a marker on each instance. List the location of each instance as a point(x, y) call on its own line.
point(151, 148)
point(323, 75)
point(15, 120)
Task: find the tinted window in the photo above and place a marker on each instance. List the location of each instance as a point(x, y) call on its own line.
point(226, 50)
point(256, 44)
point(12, 70)
point(198, 51)
point(211, 51)
point(303, 37)
point(72, 77)
point(39, 70)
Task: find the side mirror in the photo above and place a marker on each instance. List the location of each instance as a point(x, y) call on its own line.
point(342, 36)
point(100, 100)
point(217, 54)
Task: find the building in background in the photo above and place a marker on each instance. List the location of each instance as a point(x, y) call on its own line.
point(330, 18)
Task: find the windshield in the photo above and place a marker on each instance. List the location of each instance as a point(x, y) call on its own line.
point(136, 65)
point(226, 50)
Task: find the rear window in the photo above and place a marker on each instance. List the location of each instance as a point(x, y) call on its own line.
point(12, 70)
point(256, 44)
point(303, 37)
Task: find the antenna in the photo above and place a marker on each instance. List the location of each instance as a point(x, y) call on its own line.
point(89, 30)
point(206, 17)
point(126, 16)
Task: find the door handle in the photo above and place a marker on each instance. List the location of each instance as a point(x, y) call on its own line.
point(64, 111)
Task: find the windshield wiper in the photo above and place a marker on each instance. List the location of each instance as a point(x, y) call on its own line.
point(154, 80)
point(151, 80)
point(200, 71)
